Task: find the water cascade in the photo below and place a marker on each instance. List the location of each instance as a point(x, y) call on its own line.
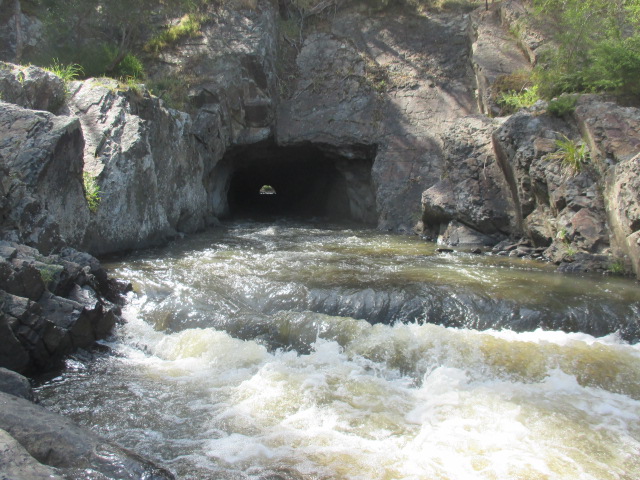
point(288, 351)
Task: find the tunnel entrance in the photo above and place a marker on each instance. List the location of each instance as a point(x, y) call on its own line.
point(267, 182)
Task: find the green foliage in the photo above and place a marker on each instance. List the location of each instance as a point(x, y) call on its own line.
point(563, 236)
point(513, 101)
point(91, 191)
point(188, 26)
point(617, 267)
point(563, 105)
point(105, 37)
point(68, 72)
point(598, 47)
point(48, 273)
point(573, 155)
point(129, 67)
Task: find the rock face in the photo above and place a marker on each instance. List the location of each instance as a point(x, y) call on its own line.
point(41, 194)
point(613, 134)
point(496, 52)
point(391, 80)
point(31, 87)
point(51, 305)
point(471, 204)
point(146, 164)
point(386, 96)
point(556, 206)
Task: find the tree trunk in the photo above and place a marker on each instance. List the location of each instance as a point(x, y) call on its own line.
point(18, 17)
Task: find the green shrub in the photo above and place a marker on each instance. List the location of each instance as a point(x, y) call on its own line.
point(596, 47)
point(91, 191)
point(563, 105)
point(617, 267)
point(48, 273)
point(513, 101)
point(572, 155)
point(130, 67)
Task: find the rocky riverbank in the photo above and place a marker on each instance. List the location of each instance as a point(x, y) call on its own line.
point(392, 111)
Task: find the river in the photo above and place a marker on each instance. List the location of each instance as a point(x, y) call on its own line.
point(291, 351)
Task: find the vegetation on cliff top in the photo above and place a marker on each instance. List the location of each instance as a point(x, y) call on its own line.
point(596, 42)
point(598, 47)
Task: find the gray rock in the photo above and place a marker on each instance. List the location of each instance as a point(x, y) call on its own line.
point(31, 87)
point(50, 305)
point(55, 441)
point(555, 206)
point(458, 235)
point(496, 53)
point(41, 183)
point(15, 384)
point(474, 192)
point(613, 134)
point(145, 162)
point(16, 463)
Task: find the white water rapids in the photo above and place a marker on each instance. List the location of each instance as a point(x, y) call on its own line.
point(223, 370)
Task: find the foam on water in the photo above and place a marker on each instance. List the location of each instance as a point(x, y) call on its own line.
point(221, 372)
point(404, 401)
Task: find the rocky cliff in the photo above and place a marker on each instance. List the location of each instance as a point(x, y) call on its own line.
point(394, 101)
point(372, 113)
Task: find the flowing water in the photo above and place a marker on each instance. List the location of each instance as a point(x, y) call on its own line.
point(294, 352)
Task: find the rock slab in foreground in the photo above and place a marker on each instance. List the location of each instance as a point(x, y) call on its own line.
point(49, 440)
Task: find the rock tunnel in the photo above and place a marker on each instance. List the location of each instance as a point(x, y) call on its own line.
point(267, 182)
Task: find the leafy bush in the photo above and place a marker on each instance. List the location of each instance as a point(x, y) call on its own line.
point(563, 105)
point(513, 101)
point(597, 47)
point(617, 267)
point(129, 67)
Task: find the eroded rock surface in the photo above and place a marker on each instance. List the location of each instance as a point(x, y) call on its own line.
point(31, 87)
point(145, 163)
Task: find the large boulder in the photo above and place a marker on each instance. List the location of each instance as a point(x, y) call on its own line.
point(42, 201)
point(144, 160)
point(15, 461)
point(473, 192)
point(15, 384)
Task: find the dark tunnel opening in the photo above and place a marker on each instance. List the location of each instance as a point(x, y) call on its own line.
point(266, 182)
